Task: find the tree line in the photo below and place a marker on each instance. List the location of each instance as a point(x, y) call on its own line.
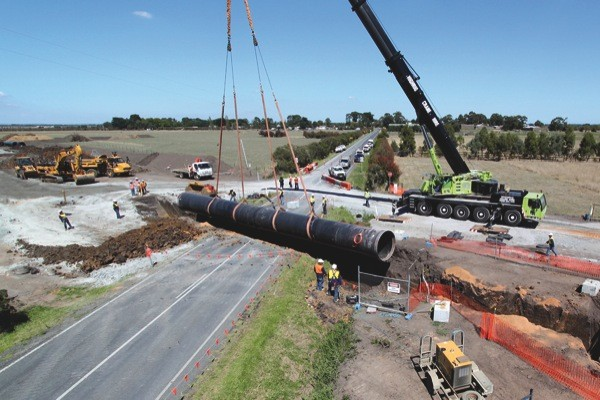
point(391, 121)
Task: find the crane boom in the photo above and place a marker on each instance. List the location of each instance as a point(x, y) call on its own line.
point(408, 80)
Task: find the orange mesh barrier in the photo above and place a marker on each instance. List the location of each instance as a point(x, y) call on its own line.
point(521, 255)
point(577, 378)
point(567, 372)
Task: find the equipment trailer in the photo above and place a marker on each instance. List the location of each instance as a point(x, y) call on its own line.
point(448, 373)
point(464, 193)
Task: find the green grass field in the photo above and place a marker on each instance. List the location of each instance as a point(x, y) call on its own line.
point(67, 302)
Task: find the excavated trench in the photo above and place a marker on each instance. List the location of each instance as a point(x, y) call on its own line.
point(572, 313)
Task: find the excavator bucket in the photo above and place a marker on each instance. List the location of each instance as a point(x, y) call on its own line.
point(84, 179)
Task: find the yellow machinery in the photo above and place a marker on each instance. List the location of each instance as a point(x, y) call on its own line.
point(25, 168)
point(67, 167)
point(449, 373)
point(112, 165)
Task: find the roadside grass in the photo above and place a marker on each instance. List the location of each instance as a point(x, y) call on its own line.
point(340, 214)
point(278, 352)
point(358, 175)
point(42, 318)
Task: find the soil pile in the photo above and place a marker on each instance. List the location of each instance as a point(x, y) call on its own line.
point(40, 155)
point(160, 234)
point(9, 316)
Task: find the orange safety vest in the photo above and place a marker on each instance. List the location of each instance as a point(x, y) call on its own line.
point(318, 268)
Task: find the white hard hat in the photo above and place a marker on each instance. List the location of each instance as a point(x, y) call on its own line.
point(549, 234)
point(334, 266)
point(320, 261)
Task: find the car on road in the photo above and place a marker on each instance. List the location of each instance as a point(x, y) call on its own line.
point(337, 172)
point(366, 148)
point(359, 156)
point(345, 162)
point(340, 148)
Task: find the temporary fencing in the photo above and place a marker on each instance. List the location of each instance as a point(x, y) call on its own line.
point(545, 359)
point(520, 255)
point(383, 292)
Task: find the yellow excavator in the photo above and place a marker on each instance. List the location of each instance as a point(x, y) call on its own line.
point(112, 165)
point(67, 167)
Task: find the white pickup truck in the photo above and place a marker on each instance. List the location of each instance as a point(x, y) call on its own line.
point(197, 170)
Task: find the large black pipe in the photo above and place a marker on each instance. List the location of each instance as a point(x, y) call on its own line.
point(371, 242)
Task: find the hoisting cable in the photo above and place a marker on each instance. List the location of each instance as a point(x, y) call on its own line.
point(262, 96)
point(224, 90)
point(257, 54)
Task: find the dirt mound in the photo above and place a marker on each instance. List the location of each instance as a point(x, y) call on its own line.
point(76, 138)
point(159, 234)
point(148, 159)
point(40, 155)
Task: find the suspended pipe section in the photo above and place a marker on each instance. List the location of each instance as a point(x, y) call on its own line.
point(370, 242)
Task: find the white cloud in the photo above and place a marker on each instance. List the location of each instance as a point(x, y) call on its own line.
point(143, 14)
point(2, 94)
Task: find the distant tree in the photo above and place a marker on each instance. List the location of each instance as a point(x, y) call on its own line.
point(568, 143)
point(399, 118)
point(587, 147)
point(496, 119)
point(407, 146)
point(256, 123)
point(386, 120)
point(538, 123)
point(367, 119)
point(544, 148)
point(119, 123)
point(394, 146)
point(514, 123)
point(515, 144)
point(558, 124)
point(530, 148)
point(328, 122)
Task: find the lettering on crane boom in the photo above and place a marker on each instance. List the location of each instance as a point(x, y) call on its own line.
point(426, 106)
point(435, 122)
point(412, 83)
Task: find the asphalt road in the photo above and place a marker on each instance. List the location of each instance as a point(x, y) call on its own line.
point(145, 338)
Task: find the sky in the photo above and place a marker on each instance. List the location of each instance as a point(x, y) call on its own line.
point(81, 61)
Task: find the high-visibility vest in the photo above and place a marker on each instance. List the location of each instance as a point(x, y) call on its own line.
point(312, 199)
point(334, 274)
point(319, 268)
point(367, 195)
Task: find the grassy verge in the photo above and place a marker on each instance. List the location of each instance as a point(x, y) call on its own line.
point(42, 318)
point(282, 351)
point(358, 175)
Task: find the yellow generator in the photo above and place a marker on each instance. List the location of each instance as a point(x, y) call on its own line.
point(449, 373)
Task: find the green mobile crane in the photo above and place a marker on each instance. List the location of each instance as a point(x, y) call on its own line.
point(464, 194)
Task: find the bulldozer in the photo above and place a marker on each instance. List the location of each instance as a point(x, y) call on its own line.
point(67, 167)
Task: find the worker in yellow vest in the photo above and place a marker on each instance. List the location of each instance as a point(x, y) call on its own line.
point(335, 281)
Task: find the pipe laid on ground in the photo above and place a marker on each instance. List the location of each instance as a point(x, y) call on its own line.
point(380, 244)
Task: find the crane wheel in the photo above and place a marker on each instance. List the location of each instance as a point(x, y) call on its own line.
point(424, 208)
point(444, 210)
point(481, 214)
point(461, 212)
point(512, 217)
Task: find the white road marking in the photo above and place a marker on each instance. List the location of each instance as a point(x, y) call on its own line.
point(139, 332)
point(90, 314)
point(191, 286)
point(214, 331)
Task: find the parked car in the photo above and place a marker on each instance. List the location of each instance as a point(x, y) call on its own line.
point(337, 172)
point(340, 148)
point(359, 156)
point(366, 148)
point(345, 162)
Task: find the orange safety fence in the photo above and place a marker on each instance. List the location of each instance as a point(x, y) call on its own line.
point(567, 372)
point(395, 189)
point(518, 254)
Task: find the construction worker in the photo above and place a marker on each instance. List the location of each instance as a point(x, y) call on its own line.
point(63, 218)
point(132, 187)
point(116, 209)
point(312, 203)
point(281, 182)
point(324, 205)
point(334, 282)
point(290, 181)
point(280, 195)
point(143, 186)
point(550, 244)
point(367, 197)
point(296, 183)
point(136, 186)
point(149, 255)
point(232, 195)
point(320, 273)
